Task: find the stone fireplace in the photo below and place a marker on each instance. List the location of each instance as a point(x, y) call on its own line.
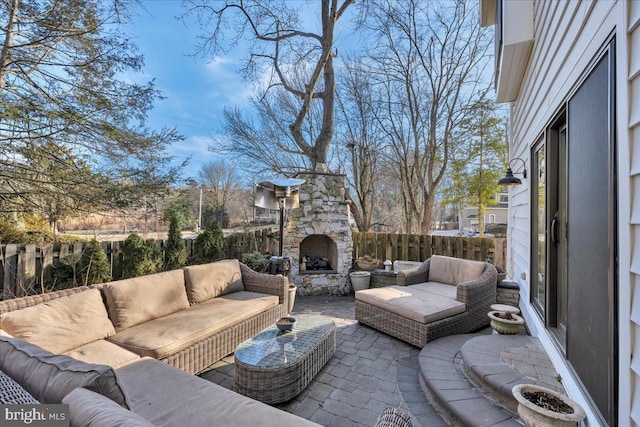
point(317, 235)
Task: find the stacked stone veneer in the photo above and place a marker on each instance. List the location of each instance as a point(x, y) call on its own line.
point(324, 211)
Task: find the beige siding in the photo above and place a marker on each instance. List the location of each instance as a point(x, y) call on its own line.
point(633, 29)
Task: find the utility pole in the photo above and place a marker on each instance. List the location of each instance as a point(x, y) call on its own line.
point(200, 211)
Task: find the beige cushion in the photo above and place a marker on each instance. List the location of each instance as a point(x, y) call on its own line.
point(169, 334)
point(89, 409)
point(444, 290)
point(61, 324)
point(412, 303)
point(104, 353)
point(49, 377)
point(140, 299)
point(454, 270)
point(208, 281)
point(181, 399)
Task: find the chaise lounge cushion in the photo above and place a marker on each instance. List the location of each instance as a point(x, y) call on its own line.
point(140, 299)
point(156, 401)
point(62, 324)
point(208, 281)
point(454, 270)
point(49, 377)
point(411, 303)
point(104, 353)
point(89, 409)
point(167, 335)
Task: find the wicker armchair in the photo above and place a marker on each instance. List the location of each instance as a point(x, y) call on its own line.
point(477, 295)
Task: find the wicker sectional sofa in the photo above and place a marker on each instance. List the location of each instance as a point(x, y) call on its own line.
point(442, 296)
point(188, 318)
point(101, 349)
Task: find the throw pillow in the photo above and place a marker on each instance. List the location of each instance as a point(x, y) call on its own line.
point(89, 409)
point(49, 377)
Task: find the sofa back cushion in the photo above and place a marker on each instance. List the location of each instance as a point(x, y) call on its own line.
point(140, 299)
point(208, 281)
point(49, 377)
point(61, 324)
point(454, 270)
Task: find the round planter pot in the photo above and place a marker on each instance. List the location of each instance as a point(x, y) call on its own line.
point(535, 416)
point(293, 289)
point(360, 280)
point(506, 326)
point(368, 266)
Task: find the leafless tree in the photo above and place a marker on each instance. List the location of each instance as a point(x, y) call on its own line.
point(360, 140)
point(284, 51)
point(430, 59)
point(221, 180)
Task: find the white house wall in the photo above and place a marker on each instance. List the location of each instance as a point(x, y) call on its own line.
point(568, 35)
point(630, 285)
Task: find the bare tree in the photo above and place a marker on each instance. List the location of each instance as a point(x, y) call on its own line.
point(290, 53)
point(362, 140)
point(222, 181)
point(430, 59)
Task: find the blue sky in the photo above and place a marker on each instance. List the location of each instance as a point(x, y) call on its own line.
point(196, 89)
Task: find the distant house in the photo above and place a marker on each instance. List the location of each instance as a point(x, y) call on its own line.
point(571, 71)
point(494, 214)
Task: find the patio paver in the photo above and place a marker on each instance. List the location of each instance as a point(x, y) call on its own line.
point(368, 372)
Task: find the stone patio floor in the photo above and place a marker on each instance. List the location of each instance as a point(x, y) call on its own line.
point(368, 372)
point(371, 371)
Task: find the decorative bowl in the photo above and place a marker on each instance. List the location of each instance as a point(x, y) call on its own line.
point(285, 323)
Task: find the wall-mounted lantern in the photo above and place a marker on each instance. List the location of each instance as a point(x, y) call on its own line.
point(509, 179)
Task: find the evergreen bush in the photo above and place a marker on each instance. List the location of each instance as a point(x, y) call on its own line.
point(140, 257)
point(209, 245)
point(91, 267)
point(175, 253)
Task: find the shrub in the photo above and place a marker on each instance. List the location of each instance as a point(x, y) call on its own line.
point(256, 260)
point(209, 245)
point(175, 255)
point(91, 267)
point(140, 257)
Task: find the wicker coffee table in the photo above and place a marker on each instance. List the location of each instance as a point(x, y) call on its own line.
point(276, 366)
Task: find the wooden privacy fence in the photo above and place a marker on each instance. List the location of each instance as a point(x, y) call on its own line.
point(418, 247)
point(27, 269)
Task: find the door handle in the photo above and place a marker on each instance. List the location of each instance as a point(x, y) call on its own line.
point(554, 229)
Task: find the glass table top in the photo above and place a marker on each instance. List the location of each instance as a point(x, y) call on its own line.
point(273, 348)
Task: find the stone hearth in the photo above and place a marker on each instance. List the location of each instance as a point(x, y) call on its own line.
point(320, 227)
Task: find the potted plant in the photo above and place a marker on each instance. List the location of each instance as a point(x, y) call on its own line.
point(505, 323)
point(256, 261)
point(368, 263)
point(543, 407)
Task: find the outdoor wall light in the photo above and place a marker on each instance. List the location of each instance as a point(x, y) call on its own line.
point(509, 179)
